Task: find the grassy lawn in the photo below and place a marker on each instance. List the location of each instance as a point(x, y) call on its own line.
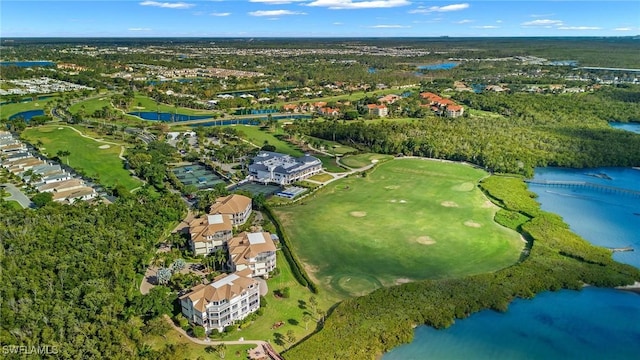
point(145, 103)
point(91, 105)
point(409, 219)
point(321, 177)
point(8, 110)
point(329, 163)
point(362, 160)
point(86, 154)
point(14, 204)
point(290, 310)
point(333, 147)
point(190, 350)
point(259, 136)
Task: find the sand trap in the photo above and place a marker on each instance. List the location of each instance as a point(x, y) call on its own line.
point(402, 281)
point(471, 223)
point(374, 161)
point(449, 204)
point(358, 213)
point(488, 204)
point(425, 240)
point(403, 201)
point(104, 146)
point(60, 128)
point(392, 187)
point(37, 104)
point(393, 200)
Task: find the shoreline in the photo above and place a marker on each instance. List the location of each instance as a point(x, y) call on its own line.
point(635, 287)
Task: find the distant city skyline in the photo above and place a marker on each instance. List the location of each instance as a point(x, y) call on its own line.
point(317, 18)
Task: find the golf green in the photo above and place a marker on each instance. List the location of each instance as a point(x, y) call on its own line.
point(408, 219)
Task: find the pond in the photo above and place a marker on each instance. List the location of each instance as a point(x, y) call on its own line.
point(440, 66)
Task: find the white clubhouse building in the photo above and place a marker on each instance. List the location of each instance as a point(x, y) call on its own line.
point(281, 169)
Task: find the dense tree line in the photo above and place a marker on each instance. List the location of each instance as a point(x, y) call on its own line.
point(534, 130)
point(364, 327)
point(69, 276)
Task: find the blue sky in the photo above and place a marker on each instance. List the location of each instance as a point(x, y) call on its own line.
point(317, 18)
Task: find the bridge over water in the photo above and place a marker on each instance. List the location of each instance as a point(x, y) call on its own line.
point(585, 185)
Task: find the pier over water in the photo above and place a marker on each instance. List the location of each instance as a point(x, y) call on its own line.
point(585, 185)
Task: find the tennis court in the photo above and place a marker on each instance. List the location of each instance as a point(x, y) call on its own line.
point(197, 175)
point(256, 188)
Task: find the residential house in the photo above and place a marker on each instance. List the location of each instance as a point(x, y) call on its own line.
point(327, 111)
point(229, 298)
point(235, 207)
point(442, 106)
point(454, 111)
point(71, 184)
point(69, 196)
point(389, 99)
point(291, 108)
point(378, 110)
point(282, 169)
point(254, 251)
point(208, 233)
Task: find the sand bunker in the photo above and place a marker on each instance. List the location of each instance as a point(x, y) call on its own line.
point(358, 213)
point(393, 200)
point(471, 223)
point(449, 204)
point(488, 204)
point(374, 161)
point(392, 187)
point(60, 128)
point(467, 186)
point(403, 201)
point(425, 240)
point(402, 281)
point(104, 146)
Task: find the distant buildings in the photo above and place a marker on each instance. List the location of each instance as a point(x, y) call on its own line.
point(44, 175)
point(229, 298)
point(442, 106)
point(272, 167)
point(378, 110)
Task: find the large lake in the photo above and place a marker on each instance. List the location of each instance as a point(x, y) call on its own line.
point(590, 324)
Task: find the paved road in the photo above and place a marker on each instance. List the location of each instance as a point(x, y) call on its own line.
point(17, 195)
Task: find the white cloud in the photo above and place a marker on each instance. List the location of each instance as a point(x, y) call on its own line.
point(465, 21)
point(139, 29)
point(337, 23)
point(446, 8)
point(544, 22)
point(623, 29)
point(220, 14)
point(168, 5)
point(275, 13)
point(579, 28)
point(389, 27)
point(486, 27)
point(275, 2)
point(354, 4)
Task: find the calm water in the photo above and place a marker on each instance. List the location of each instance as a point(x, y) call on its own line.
point(27, 63)
point(165, 116)
point(441, 66)
point(591, 324)
point(27, 115)
point(633, 127)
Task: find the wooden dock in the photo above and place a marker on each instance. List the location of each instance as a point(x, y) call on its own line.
point(585, 185)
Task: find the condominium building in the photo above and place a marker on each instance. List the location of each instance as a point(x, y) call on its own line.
point(253, 251)
point(229, 298)
point(236, 207)
point(208, 233)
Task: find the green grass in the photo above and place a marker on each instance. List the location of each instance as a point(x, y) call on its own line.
point(333, 147)
point(258, 136)
point(408, 219)
point(362, 160)
point(9, 110)
point(194, 351)
point(329, 163)
point(85, 154)
point(321, 177)
point(91, 105)
point(145, 103)
point(14, 204)
point(290, 310)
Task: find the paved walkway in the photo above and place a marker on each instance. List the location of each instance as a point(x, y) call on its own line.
point(17, 195)
point(212, 342)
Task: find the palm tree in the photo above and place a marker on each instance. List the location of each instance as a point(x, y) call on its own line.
point(62, 153)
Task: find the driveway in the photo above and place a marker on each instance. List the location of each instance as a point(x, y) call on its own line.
point(17, 195)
